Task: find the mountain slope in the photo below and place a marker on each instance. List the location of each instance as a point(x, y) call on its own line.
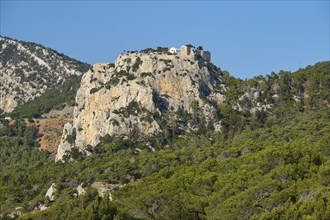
point(28, 70)
point(270, 171)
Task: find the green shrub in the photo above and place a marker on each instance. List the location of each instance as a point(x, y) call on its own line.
point(70, 139)
point(146, 74)
point(94, 90)
point(137, 63)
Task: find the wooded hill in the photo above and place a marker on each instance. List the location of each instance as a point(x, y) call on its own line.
point(270, 164)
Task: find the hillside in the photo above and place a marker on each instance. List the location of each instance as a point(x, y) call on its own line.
point(220, 148)
point(29, 69)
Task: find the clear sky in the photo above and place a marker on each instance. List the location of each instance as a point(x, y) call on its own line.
point(247, 38)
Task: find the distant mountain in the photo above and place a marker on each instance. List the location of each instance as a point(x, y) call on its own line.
point(28, 69)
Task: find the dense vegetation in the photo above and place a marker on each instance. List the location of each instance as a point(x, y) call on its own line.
point(271, 164)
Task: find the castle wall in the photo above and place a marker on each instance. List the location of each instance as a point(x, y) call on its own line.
point(206, 55)
point(187, 52)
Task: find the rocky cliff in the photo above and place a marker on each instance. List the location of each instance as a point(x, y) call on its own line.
point(144, 92)
point(28, 69)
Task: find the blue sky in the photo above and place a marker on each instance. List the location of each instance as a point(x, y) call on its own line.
point(247, 38)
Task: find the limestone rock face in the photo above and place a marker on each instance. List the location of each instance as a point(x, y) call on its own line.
point(139, 90)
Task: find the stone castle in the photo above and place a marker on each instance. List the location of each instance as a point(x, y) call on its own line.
point(188, 52)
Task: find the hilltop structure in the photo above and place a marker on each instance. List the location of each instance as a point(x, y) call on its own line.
point(187, 51)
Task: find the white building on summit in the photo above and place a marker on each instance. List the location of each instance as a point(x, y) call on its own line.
point(174, 50)
point(188, 52)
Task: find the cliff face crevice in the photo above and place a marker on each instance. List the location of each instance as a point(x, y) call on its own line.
point(139, 89)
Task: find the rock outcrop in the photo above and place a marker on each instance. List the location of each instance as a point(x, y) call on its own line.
point(65, 146)
point(104, 188)
point(251, 101)
point(50, 192)
point(142, 92)
point(28, 69)
point(80, 190)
